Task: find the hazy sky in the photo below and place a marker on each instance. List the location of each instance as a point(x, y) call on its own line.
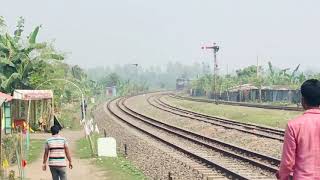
point(149, 32)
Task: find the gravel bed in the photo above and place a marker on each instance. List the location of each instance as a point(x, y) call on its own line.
point(270, 147)
point(150, 156)
point(156, 103)
point(232, 163)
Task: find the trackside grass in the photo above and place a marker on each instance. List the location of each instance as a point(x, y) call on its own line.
point(115, 168)
point(268, 117)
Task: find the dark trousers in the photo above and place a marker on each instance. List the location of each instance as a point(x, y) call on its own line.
point(58, 173)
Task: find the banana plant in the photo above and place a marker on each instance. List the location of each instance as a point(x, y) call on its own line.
point(293, 74)
point(17, 58)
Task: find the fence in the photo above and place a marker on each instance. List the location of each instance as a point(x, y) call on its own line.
point(253, 95)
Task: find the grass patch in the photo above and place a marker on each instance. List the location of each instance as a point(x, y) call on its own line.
point(36, 147)
point(274, 118)
point(115, 168)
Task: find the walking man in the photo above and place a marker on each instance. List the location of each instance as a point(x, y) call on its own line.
point(301, 149)
point(56, 149)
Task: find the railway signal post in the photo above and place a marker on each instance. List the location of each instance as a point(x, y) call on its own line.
point(215, 49)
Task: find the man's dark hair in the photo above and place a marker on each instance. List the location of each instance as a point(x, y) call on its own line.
point(310, 91)
point(55, 130)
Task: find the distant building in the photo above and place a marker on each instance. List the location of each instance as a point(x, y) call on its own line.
point(26, 104)
point(280, 93)
point(111, 91)
point(241, 93)
point(249, 92)
point(182, 84)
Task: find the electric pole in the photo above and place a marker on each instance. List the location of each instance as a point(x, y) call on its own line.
point(259, 80)
point(215, 49)
point(136, 90)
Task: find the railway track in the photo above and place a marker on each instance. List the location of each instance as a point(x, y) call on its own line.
point(261, 131)
point(221, 159)
point(264, 106)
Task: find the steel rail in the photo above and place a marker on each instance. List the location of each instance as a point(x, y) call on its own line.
point(194, 156)
point(194, 137)
point(227, 121)
point(279, 138)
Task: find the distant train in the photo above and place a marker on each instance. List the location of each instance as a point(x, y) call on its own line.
point(182, 84)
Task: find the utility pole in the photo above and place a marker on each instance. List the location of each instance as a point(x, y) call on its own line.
point(215, 49)
point(258, 79)
point(257, 66)
point(136, 77)
point(227, 69)
point(228, 98)
point(136, 70)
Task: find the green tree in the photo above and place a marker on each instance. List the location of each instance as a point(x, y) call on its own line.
point(284, 77)
point(112, 79)
point(19, 56)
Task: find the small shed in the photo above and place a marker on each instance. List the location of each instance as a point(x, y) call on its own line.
point(182, 83)
point(111, 91)
point(244, 92)
point(5, 113)
point(34, 107)
point(280, 93)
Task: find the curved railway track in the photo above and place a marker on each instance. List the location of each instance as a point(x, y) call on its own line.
point(222, 158)
point(261, 131)
point(264, 106)
point(275, 131)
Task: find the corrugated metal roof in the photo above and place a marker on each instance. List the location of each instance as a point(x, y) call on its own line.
point(278, 87)
point(7, 97)
point(242, 87)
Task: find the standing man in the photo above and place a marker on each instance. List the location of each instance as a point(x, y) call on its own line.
point(56, 148)
point(301, 149)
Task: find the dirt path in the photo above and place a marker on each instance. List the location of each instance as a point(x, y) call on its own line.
point(82, 169)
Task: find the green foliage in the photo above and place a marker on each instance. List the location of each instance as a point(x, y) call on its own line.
point(248, 75)
point(78, 73)
point(19, 60)
point(69, 116)
point(124, 86)
point(9, 142)
point(33, 35)
point(115, 168)
point(112, 79)
point(2, 22)
point(247, 72)
point(19, 30)
point(26, 63)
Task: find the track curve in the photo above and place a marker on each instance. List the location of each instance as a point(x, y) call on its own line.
point(262, 131)
point(233, 161)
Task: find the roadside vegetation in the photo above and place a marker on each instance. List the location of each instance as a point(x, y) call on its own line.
point(268, 117)
point(256, 75)
point(27, 63)
point(115, 168)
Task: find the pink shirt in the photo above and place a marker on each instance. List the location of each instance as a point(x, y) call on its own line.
point(301, 148)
